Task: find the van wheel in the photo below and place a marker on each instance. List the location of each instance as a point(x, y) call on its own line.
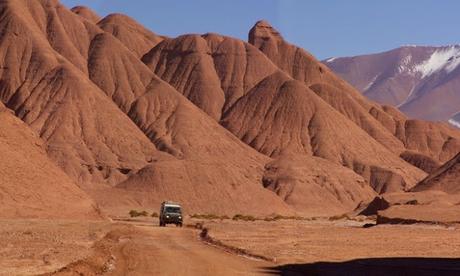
point(162, 224)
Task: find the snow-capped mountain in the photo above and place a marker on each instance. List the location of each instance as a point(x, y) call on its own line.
point(455, 120)
point(423, 81)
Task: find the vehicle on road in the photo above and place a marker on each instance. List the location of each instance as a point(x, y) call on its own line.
point(170, 213)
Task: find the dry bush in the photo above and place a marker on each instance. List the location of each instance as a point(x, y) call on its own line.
point(281, 217)
point(339, 217)
point(209, 216)
point(243, 217)
point(135, 213)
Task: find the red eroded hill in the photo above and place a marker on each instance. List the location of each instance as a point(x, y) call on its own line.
point(435, 140)
point(31, 185)
point(446, 178)
point(132, 34)
point(105, 126)
point(86, 13)
point(219, 124)
point(219, 73)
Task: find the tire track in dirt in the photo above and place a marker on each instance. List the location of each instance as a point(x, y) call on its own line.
point(151, 250)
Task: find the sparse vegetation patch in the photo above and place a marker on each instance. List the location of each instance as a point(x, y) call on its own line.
point(209, 216)
point(243, 217)
point(339, 217)
point(135, 213)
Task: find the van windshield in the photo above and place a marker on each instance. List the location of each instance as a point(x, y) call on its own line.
point(172, 210)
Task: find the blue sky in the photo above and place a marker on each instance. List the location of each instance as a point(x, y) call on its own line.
point(326, 28)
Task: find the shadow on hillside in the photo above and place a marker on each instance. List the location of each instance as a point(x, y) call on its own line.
point(375, 267)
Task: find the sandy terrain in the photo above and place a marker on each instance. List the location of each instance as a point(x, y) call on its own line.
point(32, 247)
point(143, 248)
point(345, 248)
point(311, 241)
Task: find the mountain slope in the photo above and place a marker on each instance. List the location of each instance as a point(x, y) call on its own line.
point(219, 124)
point(251, 83)
point(86, 13)
point(214, 72)
point(384, 124)
point(97, 140)
point(129, 97)
point(34, 187)
point(85, 133)
point(180, 129)
point(426, 163)
point(133, 35)
point(309, 183)
point(446, 178)
point(422, 81)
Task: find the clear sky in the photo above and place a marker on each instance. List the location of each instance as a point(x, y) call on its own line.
point(326, 28)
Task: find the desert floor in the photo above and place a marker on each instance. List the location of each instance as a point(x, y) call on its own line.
point(344, 247)
point(284, 247)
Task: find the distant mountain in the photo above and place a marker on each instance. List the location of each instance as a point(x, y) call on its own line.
point(422, 81)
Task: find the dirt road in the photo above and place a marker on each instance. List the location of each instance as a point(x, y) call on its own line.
point(152, 250)
point(175, 251)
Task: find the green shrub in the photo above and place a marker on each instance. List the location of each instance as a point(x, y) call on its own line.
point(154, 215)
